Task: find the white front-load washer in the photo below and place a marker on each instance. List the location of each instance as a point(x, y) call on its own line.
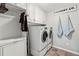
point(38, 40)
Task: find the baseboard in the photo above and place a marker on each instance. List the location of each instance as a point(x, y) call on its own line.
point(66, 50)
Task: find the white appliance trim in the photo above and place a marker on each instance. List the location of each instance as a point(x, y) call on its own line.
point(66, 50)
point(41, 53)
point(49, 44)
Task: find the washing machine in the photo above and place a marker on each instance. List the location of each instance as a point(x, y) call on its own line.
point(38, 40)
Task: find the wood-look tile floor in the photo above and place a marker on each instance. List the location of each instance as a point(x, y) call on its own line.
point(59, 52)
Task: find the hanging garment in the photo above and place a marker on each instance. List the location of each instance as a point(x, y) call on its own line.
point(25, 26)
point(60, 30)
point(23, 21)
point(3, 8)
point(69, 27)
point(22, 17)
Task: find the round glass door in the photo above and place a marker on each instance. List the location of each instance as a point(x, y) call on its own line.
point(44, 36)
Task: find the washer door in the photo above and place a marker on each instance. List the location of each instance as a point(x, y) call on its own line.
point(44, 36)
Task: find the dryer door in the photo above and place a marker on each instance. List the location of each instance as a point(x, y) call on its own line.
point(50, 34)
point(44, 36)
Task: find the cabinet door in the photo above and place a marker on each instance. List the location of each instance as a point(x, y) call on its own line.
point(15, 49)
point(0, 51)
point(31, 12)
point(39, 15)
point(22, 5)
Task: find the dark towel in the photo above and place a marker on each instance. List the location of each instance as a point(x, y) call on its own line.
point(23, 21)
point(22, 17)
point(25, 26)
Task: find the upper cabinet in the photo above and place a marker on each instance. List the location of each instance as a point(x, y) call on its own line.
point(40, 15)
point(30, 11)
point(35, 14)
point(16, 7)
point(21, 5)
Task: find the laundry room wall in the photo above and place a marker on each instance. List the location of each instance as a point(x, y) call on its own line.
point(52, 20)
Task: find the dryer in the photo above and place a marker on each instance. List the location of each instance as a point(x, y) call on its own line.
point(38, 39)
point(50, 35)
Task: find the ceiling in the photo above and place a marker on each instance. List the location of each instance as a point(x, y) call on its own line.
point(49, 7)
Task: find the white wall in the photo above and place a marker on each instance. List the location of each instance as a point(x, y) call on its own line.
point(63, 42)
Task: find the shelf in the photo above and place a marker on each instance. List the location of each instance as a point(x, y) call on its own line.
point(36, 24)
point(14, 6)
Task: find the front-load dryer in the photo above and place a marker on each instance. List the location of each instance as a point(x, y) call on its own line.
point(50, 35)
point(38, 39)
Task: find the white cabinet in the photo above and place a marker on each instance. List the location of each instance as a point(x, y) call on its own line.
point(21, 5)
point(36, 14)
point(31, 12)
point(40, 15)
point(15, 49)
point(0, 51)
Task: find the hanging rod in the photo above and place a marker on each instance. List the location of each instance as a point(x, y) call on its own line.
point(73, 8)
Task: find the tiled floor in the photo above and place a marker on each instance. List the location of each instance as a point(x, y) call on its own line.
point(58, 52)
